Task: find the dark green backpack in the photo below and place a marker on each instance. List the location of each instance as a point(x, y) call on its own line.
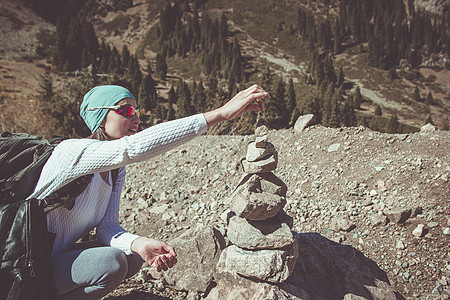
point(25, 246)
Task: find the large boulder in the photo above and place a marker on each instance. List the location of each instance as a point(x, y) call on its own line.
point(324, 270)
point(267, 265)
point(272, 233)
point(330, 270)
point(198, 251)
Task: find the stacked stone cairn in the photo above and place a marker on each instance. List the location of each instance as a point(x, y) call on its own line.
point(262, 244)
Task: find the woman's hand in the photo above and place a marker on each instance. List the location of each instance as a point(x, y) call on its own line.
point(238, 105)
point(156, 253)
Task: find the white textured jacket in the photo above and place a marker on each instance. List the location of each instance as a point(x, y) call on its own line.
point(98, 206)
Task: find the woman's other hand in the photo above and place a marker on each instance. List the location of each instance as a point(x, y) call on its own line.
point(156, 253)
point(249, 99)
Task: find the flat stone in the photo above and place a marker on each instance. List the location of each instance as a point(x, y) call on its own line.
point(433, 224)
point(273, 233)
point(377, 219)
point(419, 231)
point(258, 196)
point(261, 166)
point(398, 215)
point(342, 223)
point(260, 141)
point(303, 122)
point(262, 182)
point(254, 153)
point(334, 147)
point(261, 131)
point(257, 206)
point(268, 265)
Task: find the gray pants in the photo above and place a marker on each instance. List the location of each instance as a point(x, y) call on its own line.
point(91, 271)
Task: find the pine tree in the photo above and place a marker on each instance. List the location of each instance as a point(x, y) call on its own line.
point(416, 95)
point(184, 102)
point(335, 116)
point(125, 55)
point(348, 114)
point(161, 67)
point(430, 99)
point(429, 120)
point(341, 77)
point(47, 88)
point(291, 97)
point(393, 125)
point(147, 97)
point(378, 111)
point(357, 98)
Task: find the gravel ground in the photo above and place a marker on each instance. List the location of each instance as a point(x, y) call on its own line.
point(364, 177)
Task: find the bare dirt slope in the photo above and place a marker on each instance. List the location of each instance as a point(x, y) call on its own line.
point(362, 177)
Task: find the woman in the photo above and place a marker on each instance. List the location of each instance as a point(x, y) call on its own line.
point(92, 270)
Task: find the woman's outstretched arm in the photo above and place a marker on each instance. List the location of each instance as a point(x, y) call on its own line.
point(246, 100)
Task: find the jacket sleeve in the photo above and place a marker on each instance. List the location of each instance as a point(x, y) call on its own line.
point(77, 157)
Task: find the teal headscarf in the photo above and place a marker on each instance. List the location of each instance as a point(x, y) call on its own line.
point(104, 95)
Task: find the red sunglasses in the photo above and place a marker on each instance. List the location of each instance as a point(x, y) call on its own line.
point(125, 110)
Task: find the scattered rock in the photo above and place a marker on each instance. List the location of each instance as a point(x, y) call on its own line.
point(398, 215)
point(419, 231)
point(377, 219)
point(342, 223)
point(303, 122)
point(428, 128)
point(432, 224)
point(334, 147)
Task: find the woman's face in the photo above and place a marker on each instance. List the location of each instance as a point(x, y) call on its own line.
point(117, 126)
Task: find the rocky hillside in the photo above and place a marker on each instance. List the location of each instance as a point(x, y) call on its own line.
point(384, 195)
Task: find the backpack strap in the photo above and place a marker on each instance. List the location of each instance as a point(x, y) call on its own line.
point(66, 195)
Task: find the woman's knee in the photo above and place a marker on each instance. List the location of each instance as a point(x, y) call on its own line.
point(116, 263)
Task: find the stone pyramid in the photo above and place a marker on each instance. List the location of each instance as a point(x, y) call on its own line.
point(263, 246)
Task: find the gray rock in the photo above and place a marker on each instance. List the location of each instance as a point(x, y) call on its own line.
point(261, 166)
point(233, 286)
point(428, 128)
point(198, 250)
point(258, 196)
point(433, 224)
point(342, 223)
point(303, 122)
point(377, 219)
point(334, 147)
point(328, 270)
point(261, 141)
point(261, 131)
point(254, 153)
point(419, 231)
point(272, 233)
point(257, 206)
point(398, 215)
point(446, 231)
point(268, 265)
